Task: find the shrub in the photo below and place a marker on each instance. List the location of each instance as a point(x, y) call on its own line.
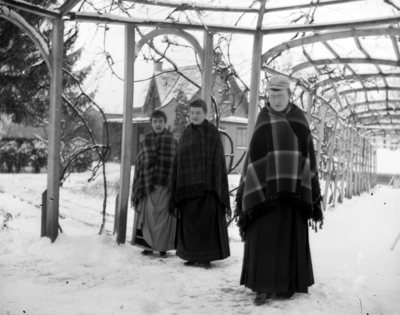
point(23, 155)
point(8, 154)
point(39, 155)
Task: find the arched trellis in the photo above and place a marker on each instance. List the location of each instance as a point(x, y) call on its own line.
point(16, 19)
point(54, 63)
point(354, 146)
point(172, 31)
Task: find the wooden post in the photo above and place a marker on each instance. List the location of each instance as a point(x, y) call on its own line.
point(321, 134)
point(349, 188)
point(339, 168)
point(330, 162)
point(346, 153)
point(309, 106)
point(359, 173)
point(125, 173)
point(254, 85)
point(375, 168)
point(255, 74)
point(356, 173)
point(368, 170)
point(54, 130)
point(206, 74)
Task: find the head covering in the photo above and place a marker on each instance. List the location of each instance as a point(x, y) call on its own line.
point(278, 82)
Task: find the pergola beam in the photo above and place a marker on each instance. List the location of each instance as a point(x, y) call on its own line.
point(191, 6)
point(375, 119)
point(370, 113)
point(148, 22)
point(385, 126)
point(377, 88)
point(67, 6)
point(389, 20)
point(364, 77)
point(312, 39)
point(323, 62)
point(31, 8)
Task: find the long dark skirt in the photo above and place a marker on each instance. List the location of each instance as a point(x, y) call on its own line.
point(202, 231)
point(277, 256)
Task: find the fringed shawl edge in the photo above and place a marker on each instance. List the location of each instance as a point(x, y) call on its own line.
point(313, 213)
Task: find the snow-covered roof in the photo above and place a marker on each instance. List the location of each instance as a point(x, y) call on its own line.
point(234, 119)
point(135, 120)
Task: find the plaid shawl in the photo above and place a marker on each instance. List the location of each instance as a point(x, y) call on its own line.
point(199, 165)
point(280, 167)
point(153, 164)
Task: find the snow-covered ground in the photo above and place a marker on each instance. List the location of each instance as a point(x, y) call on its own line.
point(356, 271)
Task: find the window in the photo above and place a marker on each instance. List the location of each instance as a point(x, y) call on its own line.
point(241, 138)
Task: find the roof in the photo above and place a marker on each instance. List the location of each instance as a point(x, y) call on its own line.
point(135, 120)
point(234, 119)
point(170, 82)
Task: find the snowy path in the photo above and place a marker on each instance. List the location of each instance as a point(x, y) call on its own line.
point(83, 273)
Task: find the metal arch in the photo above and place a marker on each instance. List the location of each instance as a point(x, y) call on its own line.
point(376, 111)
point(363, 76)
point(172, 31)
point(378, 88)
point(376, 119)
point(385, 101)
point(392, 134)
point(319, 62)
point(36, 38)
point(328, 36)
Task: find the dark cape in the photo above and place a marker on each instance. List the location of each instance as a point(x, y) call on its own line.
point(200, 193)
point(278, 193)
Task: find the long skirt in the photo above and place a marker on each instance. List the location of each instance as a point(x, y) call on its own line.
point(277, 256)
point(154, 228)
point(202, 230)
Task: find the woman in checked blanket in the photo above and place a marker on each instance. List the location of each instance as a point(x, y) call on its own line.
point(154, 229)
point(199, 191)
point(278, 193)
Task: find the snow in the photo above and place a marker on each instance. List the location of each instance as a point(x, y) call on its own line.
point(355, 270)
point(388, 161)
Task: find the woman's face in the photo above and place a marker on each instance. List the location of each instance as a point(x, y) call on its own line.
point(197, 115)
point(278, 100)
point(158, 124)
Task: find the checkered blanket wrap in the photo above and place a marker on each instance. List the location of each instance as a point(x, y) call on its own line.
point(153, 164)
point(199, 165)
point(280, 166)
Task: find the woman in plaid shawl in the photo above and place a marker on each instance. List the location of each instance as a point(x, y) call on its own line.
point(278, 192)
point(154, 228)
point(199, 191)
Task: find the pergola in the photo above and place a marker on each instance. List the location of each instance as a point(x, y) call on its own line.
point(360, 105)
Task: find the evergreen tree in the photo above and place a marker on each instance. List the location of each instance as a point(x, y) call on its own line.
point(24, 77)
point(181, 114)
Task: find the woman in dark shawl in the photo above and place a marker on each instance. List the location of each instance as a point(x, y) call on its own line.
point(154, 229)
point(199, 191)
point(278, 193)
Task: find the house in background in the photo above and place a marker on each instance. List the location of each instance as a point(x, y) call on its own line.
point(161, 91)
point(10, 130)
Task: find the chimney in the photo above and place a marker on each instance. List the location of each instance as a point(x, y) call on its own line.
point(158, 66)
